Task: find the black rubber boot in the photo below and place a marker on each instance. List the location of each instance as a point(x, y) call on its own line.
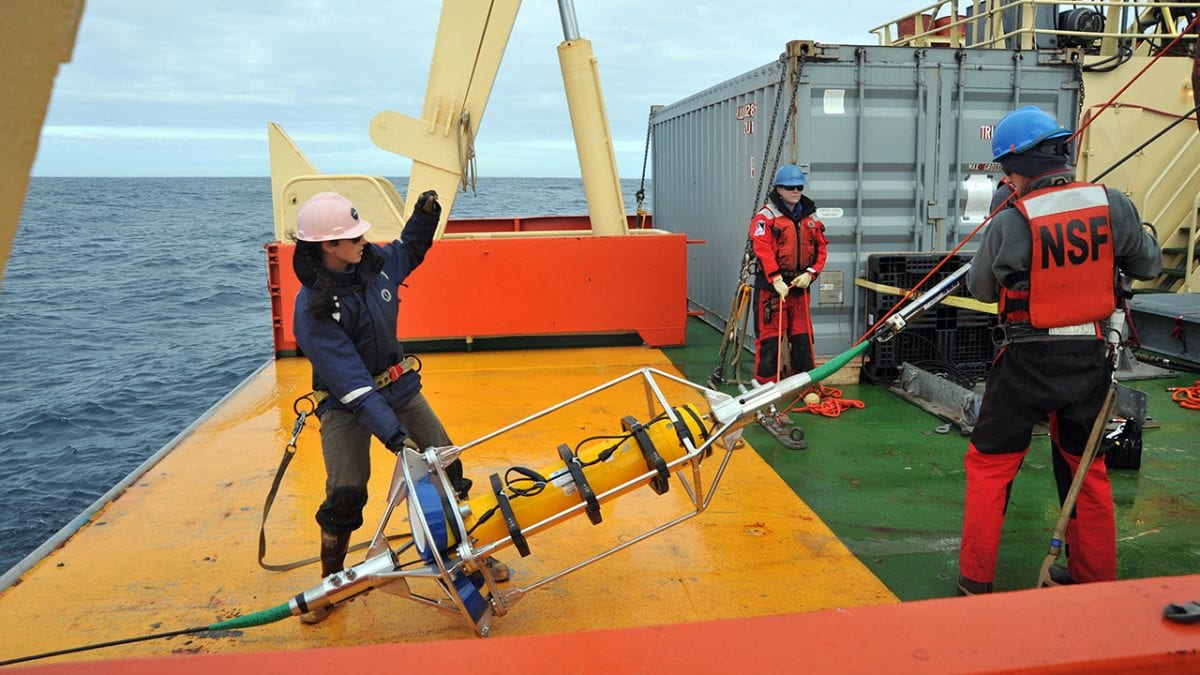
point(968, 586)
point(333, 560)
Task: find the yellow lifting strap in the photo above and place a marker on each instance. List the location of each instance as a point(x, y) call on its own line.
point(383, 379)
point(952, 300)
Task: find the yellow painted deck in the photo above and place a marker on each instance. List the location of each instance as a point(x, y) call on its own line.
point(178, 548)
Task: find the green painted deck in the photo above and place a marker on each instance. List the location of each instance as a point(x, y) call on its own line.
point(891, 488)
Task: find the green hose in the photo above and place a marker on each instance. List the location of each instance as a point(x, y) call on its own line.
point(835, 364)
point(256, 619)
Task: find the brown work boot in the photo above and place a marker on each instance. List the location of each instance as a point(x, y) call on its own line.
point(968, 586)
point(499, 570)
point(333, 559)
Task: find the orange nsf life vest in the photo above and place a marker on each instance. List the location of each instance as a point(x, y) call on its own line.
point(1072, 275)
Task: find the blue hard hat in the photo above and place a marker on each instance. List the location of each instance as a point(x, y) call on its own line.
point(790, 174)
point(1024, 128)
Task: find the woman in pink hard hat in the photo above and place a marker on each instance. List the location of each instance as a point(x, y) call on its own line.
point(345, 323)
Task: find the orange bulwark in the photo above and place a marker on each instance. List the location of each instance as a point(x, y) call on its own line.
point(553, 285)
point(1050, 631)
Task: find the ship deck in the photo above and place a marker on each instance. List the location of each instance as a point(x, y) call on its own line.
point(867, 516)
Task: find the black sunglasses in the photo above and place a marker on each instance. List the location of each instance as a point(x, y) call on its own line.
point(791, 187)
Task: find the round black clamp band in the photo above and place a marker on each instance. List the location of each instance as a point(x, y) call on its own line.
point(510, 520)
point(581, 484)
point(682, 431)
point(662, 482)
point(682, 428)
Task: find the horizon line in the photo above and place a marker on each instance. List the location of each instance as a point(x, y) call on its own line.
point(387, 177)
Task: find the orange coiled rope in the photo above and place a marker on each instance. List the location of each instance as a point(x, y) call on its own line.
point(1187, 397)
point(832, 404)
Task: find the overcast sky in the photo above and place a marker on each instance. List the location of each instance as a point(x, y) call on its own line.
point(174, 88)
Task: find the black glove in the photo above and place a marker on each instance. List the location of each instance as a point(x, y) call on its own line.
point(396, 442)
point(428, 202)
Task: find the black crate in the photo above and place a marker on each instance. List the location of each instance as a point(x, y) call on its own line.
point(881, 372)
point(881, 362)
point(906, 270)
point(957, 338)
point(967, 349)
point(966, 344)
point(940, 317)
point(877, 373)
point(976, 370)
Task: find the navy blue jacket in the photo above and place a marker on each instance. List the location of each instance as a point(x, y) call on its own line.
point(347, 350)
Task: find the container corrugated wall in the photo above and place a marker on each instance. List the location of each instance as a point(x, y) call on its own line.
point(895, 142)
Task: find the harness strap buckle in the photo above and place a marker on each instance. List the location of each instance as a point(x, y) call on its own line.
point(393, 373)
point(1000, 335)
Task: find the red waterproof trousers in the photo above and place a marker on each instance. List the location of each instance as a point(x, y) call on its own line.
point(797, 326)
point(1067, 381)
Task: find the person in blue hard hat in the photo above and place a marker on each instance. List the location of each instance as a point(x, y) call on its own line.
point(1053, 264)
point(789, 244)
point(345, 323)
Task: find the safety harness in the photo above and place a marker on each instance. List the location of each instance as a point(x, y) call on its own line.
point(313, 399)
point(393, 373)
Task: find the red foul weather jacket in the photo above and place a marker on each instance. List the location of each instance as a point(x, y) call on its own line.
point(787, 244)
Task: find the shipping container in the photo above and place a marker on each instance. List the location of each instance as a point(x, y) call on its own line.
point(895, 142)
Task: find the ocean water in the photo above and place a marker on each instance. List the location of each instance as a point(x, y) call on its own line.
point(129, 306)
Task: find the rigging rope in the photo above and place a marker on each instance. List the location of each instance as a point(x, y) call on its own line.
point(462, 128)
point(466, 152)
point(831, 404)
point(1133, 79)
point(1186, 397)
point(1186, 116)
point(641, 191)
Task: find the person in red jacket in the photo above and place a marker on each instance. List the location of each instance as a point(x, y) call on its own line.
point(789, 245)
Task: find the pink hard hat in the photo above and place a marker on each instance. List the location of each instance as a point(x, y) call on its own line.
point(327, 216)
